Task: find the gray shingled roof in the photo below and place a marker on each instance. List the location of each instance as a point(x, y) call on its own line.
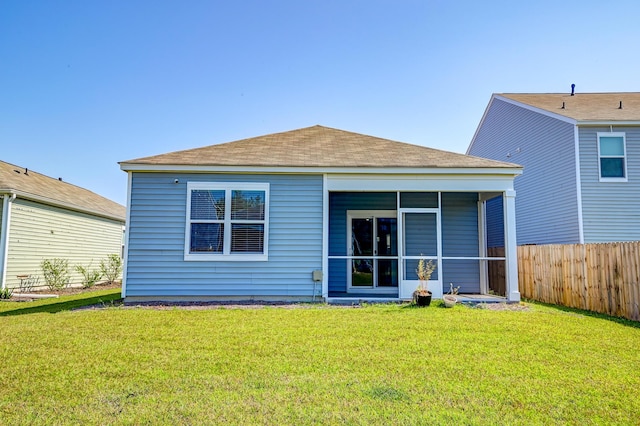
point(319, 146)
point(30, 184)
point(584, 106)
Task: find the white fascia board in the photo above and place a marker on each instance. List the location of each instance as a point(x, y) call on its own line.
point(447, 183)
point(508, 171)
point(608, 123)
point(484, 116)
point(538, 110)
point(66, 206)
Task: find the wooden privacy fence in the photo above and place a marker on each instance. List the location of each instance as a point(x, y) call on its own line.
point(602, 278)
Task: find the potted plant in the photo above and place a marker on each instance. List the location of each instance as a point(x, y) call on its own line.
point(450, 298)
point(422, 295)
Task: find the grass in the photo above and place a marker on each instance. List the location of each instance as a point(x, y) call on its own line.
point(376, 364)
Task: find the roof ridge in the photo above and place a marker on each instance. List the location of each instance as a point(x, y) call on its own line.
point(316, 147)
point(58, 179)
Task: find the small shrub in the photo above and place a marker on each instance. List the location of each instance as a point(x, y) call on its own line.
point(89, 276)
point(6, 293)
point(111, 267)
point(56, 273)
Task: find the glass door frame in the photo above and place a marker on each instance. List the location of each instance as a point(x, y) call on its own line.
point(371, 214)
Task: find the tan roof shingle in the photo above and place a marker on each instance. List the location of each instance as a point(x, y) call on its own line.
point(584, 106)
point(319, 146)
point(27, 183)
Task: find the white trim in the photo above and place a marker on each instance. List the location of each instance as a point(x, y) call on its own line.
point(325, 238)
point(538, 110)
point(320, 170)
point(576, 137)
point(510, 246)
point(484, 116)
point(226, 255)
point(4, 237)
point(608, 123)
point(438, 293)
point(400, 218)
point(624, 148)
point(67, 206)
point(125, 262)
point(427, 257)
point(482, 247)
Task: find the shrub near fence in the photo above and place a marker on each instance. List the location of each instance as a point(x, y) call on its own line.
point(602, 278)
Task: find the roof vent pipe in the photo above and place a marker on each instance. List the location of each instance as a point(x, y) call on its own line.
point(620, 107)
point(573, 88)
point(562, 105)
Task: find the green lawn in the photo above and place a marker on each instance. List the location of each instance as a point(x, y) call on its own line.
point(371, 365)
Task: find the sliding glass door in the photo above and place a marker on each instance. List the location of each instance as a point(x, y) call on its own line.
point(373, 251)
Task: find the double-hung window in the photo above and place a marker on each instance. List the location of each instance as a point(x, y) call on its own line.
point(227, 221)
point(612, 157)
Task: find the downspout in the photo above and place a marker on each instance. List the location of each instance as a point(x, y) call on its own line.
point(4, 237)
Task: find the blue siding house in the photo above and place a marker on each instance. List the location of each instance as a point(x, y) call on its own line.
point(581, 156)
point(312, 214)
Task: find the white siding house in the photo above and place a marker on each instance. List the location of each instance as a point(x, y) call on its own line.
point(581, 159)
point(310, 214)
point(46, 218)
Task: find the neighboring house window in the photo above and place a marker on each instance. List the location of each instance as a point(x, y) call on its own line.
point(227, 221)
point(612, 157)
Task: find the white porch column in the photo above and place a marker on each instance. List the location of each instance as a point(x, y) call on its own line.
point(510, 246)
point(325, 239)
point(482, 246)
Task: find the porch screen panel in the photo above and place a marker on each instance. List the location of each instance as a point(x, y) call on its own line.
point(418, 200)
point(420, 234)
point(463, 273)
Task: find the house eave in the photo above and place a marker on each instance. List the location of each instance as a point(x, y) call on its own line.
point(508, 171)
point(608, 123)
point(52, 202)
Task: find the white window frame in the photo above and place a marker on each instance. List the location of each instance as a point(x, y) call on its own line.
point(226, 254)
point(624, 147)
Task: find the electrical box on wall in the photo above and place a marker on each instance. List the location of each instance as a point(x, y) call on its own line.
point(317, 275)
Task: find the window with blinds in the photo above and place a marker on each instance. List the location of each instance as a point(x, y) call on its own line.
point(227, 221)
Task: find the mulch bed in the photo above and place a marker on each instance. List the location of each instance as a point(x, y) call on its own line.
point(502, 306)
point(64, 292)
point(230, 304)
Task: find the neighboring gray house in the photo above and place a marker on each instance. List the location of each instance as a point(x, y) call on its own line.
point(309, 213)
point(581, 158)
point(45, 218)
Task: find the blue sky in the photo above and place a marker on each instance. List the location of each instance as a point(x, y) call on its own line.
point(85, 84)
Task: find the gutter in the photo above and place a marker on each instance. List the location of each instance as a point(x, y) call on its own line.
point(507, 169)
point(4, 237)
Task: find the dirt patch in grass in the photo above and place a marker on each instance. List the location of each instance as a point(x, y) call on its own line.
point(502, 306)
point(37, 294)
